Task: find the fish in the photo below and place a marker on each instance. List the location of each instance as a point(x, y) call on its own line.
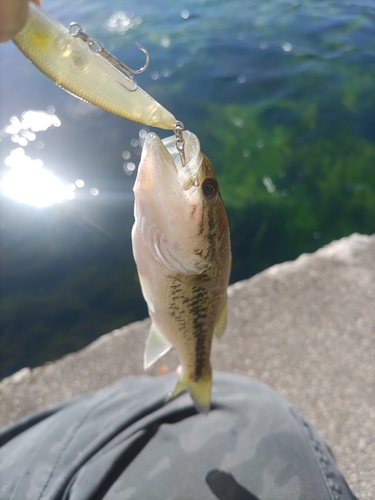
point(83, 68)
point(181, 246)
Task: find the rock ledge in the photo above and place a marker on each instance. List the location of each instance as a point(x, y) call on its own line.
point(306, 328)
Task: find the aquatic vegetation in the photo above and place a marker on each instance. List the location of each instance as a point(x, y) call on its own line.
point(298, 188)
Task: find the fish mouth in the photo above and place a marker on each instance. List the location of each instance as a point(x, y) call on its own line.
point(192, 149)
point(164, 153)
point(157, 157)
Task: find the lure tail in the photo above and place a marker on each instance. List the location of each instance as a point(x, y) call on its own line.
point(200, 391)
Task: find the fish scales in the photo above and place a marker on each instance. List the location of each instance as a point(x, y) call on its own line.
point(191, 312)
point(182, 250)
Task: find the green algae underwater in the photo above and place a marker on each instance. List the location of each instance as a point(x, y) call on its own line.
point(281, 99)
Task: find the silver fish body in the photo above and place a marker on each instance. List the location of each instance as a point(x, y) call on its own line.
point(74, 66)
point(181, 247)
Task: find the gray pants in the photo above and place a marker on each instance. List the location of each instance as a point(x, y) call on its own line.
point(124, 442)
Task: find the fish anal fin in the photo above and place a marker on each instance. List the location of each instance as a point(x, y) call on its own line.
point(200, 391)
point(156, 347)
point(221, 322)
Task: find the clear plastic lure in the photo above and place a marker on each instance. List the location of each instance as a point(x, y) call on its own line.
point(84, 68)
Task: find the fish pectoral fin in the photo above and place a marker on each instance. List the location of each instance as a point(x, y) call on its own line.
point(200, 391)
point(196, 280)
point(221, 322)
point(156, 347)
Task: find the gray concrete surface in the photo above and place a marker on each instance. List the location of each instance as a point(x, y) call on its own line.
point(306, 328)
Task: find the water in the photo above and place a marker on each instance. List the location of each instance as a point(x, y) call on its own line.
point(280, 94)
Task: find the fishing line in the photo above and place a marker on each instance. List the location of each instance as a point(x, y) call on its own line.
point(180, 141)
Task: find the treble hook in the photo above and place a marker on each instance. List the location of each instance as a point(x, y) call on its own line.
point(145, 66)
point(76, 30)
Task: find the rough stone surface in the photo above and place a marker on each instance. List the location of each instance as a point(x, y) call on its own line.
point(306, 328)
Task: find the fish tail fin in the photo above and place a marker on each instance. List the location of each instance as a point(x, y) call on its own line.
point(200, 391)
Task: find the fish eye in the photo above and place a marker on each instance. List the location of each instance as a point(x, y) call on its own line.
point(210, 189)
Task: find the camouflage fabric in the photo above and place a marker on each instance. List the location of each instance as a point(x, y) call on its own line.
point(125, 443)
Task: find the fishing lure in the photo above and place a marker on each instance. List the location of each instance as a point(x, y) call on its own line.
point(80, 65)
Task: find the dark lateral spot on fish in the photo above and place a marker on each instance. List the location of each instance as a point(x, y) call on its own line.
point(188, 308)
point(224, 486)
point(211, 221)
point(201, 223)
point(193, 211)
point(174, 309)
point(198, 311)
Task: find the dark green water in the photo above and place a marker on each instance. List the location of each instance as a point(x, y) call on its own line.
point(281, 96)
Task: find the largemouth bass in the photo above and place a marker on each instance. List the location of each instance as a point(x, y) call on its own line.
point(182, 250)
point(77, 63)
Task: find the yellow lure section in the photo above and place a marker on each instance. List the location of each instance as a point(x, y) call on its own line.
point(73, 65)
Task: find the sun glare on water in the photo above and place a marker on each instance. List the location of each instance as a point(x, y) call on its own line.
point(28, 182)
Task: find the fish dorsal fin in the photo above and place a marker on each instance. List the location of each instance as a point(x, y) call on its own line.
point(156, 347)
point(221, 322)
